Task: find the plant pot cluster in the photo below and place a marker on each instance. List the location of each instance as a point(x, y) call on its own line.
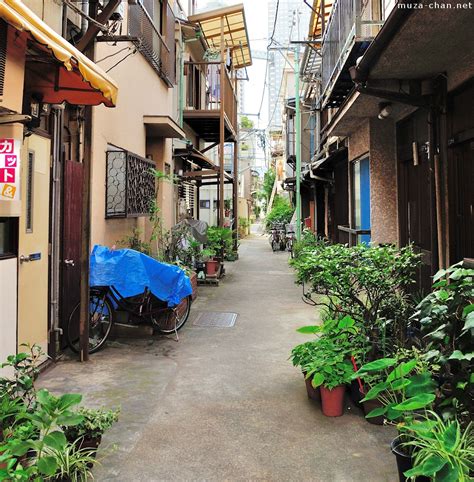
point(411, 363)
point(45, 437)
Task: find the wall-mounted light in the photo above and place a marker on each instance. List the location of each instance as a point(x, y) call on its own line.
point(385, 109)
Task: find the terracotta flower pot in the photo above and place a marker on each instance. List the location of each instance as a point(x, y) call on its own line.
point(313, 393)
point(211, 267)
point(333, 400)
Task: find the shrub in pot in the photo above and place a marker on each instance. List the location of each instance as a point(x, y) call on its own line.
point(403, 393)
point(440, 450)
point(88, 433)
point(301, 356)
point(331, 367)
point(363, 282)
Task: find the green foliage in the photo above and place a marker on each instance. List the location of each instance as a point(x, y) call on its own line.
point(219, 240)
point(446, 318)
point(327, 359)
point(94, 423)
point(25, 368)
point(441, 450)
point(33, 444)
point(246, 123)
point(308, 242)
point(135, 241)
point(268, 183)
point(359, 281)
point(281, 212)
point(405, 387)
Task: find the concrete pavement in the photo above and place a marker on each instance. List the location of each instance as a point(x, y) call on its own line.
point(225, 403)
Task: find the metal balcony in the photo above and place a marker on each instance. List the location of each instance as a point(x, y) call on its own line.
point(352, 26)
point(157, 48)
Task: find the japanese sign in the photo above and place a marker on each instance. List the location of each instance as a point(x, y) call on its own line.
point(9, 169)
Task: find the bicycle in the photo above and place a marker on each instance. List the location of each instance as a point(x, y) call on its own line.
point(290, 238)
point(106, 304)
point(277, 237)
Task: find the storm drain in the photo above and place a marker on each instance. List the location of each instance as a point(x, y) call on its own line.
point(215, 319)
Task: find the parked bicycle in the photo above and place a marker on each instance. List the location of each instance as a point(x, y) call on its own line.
point(277, 237)
point(290, 237)
point(131, 288)
point(107, 306)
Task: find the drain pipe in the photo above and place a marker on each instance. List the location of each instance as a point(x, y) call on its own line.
point(55, 330)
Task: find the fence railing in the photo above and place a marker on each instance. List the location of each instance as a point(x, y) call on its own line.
point(211, 90)
point(350, 21)
point(130, 185)
point(158, 48)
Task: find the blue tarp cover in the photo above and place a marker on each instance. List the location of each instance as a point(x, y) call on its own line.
point(130, 272)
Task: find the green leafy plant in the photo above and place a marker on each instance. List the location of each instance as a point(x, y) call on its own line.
point(441, 449)
point(219, 240)
point(404, 389)
point(359, 281)
point(93, 425)
point(303, 354)
point(281, 212)
point(338, 341)
point(446, 319)
point(71, 463)
point(25, 368)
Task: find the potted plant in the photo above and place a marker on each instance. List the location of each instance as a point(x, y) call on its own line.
point(331, 367)
point(439, 449)
point(301, 356)
point(88, 433)
point(402, 393)
point(212, 265)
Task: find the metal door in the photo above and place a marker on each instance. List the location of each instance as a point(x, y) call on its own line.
point(33, 243)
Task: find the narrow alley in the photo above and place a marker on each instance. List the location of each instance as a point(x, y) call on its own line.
point(226, 403)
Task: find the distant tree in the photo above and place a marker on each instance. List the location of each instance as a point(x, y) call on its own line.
point(268, 182)
point(246, 123)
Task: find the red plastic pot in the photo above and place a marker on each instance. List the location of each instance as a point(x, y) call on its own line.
point(333, 400)
point(313, 393)
point(211, 267)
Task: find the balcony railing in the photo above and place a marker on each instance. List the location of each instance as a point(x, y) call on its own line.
point(158, 48)
point(351, 22)
point(130, 185)
point(210, 83)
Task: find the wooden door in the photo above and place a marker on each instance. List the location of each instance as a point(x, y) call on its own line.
point(71, 240)
point(462, 201)
point(33, 243)
point(415, 211)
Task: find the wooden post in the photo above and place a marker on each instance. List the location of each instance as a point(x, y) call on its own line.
point(222, 129)
point(235, 193)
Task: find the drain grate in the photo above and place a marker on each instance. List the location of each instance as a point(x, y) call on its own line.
point(215, 319)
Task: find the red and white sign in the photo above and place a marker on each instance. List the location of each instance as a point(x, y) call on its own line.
point(9, 169)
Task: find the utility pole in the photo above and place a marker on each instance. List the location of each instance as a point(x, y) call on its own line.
point(298, 142)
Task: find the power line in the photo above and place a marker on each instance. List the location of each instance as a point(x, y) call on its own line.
point(282, 77)
point(270, 42)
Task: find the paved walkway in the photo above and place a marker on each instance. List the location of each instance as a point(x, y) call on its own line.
point(225, 403)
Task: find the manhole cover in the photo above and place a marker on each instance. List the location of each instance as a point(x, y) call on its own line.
point(216, 319)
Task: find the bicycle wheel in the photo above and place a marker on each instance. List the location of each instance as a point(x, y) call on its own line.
point(100, 323)
point(173, 319)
